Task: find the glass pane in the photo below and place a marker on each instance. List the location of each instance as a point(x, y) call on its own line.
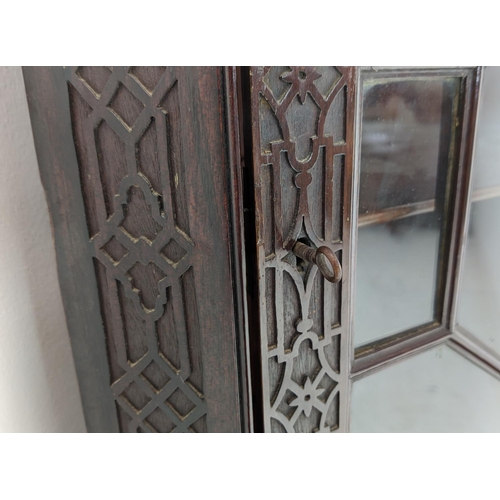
point(435, 391)
point(479, 306)
point(401, 129)
point(395, 276)
point(487, 145)
point(479, 303)
point(406, 144)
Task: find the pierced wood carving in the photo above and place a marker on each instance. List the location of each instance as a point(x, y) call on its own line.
point(302, 170)
point(127, 132)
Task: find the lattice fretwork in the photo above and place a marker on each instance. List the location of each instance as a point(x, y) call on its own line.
point(126, 129)
point(301, 149)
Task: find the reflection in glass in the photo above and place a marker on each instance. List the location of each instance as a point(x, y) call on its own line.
point(487, 143)
point(406, 144)
point(434, 391)
point(395, 276)
point(479, 305)
point(400, 142)
point(479, 302)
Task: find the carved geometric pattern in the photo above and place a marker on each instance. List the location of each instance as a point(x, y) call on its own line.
point(301, 148)
point(125, 106)
point(129, 147)
point(173, 252)
point(94, 77)
point(114, 250)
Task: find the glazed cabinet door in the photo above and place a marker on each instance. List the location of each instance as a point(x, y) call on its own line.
point(140, 167)
point(362, 185)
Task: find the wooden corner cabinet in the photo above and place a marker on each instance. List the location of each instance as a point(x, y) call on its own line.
point(277, 249)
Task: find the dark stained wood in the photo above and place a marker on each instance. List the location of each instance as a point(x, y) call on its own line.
point(464, 188)
point(48, 105)
point(141, 170)
point(177, 196)
point(374, 355)
point(469, 349)
point(302, 120)
point(419, 344)
point(251, 263)
point(234, 150)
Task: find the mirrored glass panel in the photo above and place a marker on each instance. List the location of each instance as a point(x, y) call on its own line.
point(406, 164)
point(434, 391)
point(479, 302)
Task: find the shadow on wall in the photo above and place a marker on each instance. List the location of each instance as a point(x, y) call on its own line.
point(37, 375)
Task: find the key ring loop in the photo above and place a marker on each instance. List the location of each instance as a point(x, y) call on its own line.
point(323, 257)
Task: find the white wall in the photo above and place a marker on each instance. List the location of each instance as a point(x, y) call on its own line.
point(38, 386)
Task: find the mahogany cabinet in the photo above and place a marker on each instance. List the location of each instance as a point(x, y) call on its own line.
point(272, 249)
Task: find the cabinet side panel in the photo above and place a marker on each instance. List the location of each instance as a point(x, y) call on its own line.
point(147, 160)
point(48, 104)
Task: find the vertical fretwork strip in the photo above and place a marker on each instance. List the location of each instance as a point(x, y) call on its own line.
point(292, 93)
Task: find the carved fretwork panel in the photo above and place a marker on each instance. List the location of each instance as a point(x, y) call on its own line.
point(302, 140)
point(151, 167)
point(128, 140)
